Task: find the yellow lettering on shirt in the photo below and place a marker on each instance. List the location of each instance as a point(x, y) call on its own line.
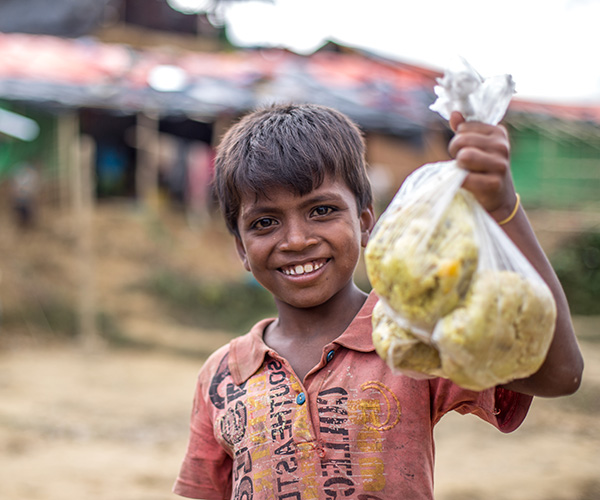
point(364, 412)
point(308, 473)
point(369, 441)
point(372, 470)
point(369, 412)
point(264, 483)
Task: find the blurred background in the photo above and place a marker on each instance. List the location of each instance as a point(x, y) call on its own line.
point(118, 277)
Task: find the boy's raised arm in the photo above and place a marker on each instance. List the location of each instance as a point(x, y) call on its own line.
point(484, 150)
point(560, 374)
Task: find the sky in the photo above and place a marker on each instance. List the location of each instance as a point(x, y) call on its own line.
point(549, 47)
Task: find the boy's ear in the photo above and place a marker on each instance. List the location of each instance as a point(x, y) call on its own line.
point(367, 221)
point(242, 253)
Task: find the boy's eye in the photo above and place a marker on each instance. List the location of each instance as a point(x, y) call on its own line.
point(264, 223)
point(322, 210)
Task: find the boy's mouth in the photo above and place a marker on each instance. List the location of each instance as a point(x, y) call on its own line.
point(300, 269)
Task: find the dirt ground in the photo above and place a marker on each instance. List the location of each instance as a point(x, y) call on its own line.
point(82, 420)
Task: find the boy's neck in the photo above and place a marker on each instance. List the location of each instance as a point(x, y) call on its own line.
point(317, 325)
point(299, 335)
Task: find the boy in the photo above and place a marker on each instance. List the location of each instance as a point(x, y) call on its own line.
point(302, 407)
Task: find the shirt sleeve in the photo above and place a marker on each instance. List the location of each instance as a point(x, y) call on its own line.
point(206, 469)
point(504, 409)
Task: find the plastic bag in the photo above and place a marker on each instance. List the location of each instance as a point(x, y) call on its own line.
point(457, 298)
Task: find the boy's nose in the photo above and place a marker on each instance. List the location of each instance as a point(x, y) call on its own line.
point(297, 237)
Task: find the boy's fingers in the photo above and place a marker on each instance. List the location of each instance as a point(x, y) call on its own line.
point(485, 162)
point(497, 198)
point(489, 143)
point(486, 189)
point(479, 127)
point(455, 120)
point(480, 135)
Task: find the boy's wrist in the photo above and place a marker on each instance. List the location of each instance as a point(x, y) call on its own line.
point(507, 211)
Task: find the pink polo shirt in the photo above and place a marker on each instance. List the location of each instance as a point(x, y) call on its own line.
point(352, 430)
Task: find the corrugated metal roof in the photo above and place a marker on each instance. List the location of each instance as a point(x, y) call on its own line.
point(567, 112)
point(84, 72)
point(380, 94)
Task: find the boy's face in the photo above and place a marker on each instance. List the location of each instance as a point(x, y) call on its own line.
point(303, 249)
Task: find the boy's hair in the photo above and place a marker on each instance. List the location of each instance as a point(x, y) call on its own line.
point(292, 146)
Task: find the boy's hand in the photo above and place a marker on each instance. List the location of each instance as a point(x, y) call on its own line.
point(484, 150)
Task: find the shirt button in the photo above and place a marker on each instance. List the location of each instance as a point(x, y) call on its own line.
point(330, 355)
point(300, 398)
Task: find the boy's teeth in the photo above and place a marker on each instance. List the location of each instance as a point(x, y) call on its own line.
point(301, 269)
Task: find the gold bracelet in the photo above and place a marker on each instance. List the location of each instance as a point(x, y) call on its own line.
point(514, 212)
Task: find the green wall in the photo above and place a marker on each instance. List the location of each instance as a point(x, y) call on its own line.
point(41, 150)
point(553, 168)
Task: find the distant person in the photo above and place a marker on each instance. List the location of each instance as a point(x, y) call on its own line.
point(25, 185)
point(302, 407)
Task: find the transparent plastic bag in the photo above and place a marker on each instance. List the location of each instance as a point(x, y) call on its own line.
point(457, 298)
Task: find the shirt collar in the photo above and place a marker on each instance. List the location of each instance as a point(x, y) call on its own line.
point(247, 353)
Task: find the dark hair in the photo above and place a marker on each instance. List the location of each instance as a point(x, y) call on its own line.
point(292, 146)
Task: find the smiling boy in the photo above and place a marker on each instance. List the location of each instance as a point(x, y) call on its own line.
point(301, 406)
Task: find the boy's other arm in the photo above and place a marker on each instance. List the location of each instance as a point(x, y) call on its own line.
point(484, 150)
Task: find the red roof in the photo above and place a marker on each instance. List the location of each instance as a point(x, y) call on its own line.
point(85, 63)
point(565, 112)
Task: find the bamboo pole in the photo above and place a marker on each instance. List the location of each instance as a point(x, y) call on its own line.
point(147, 163)
point(67, 133)
point(83, 206)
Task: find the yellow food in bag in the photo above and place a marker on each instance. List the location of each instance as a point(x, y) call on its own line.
point(423, 271)
point(401, 349)
point(502, 331)
point(479, 328)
